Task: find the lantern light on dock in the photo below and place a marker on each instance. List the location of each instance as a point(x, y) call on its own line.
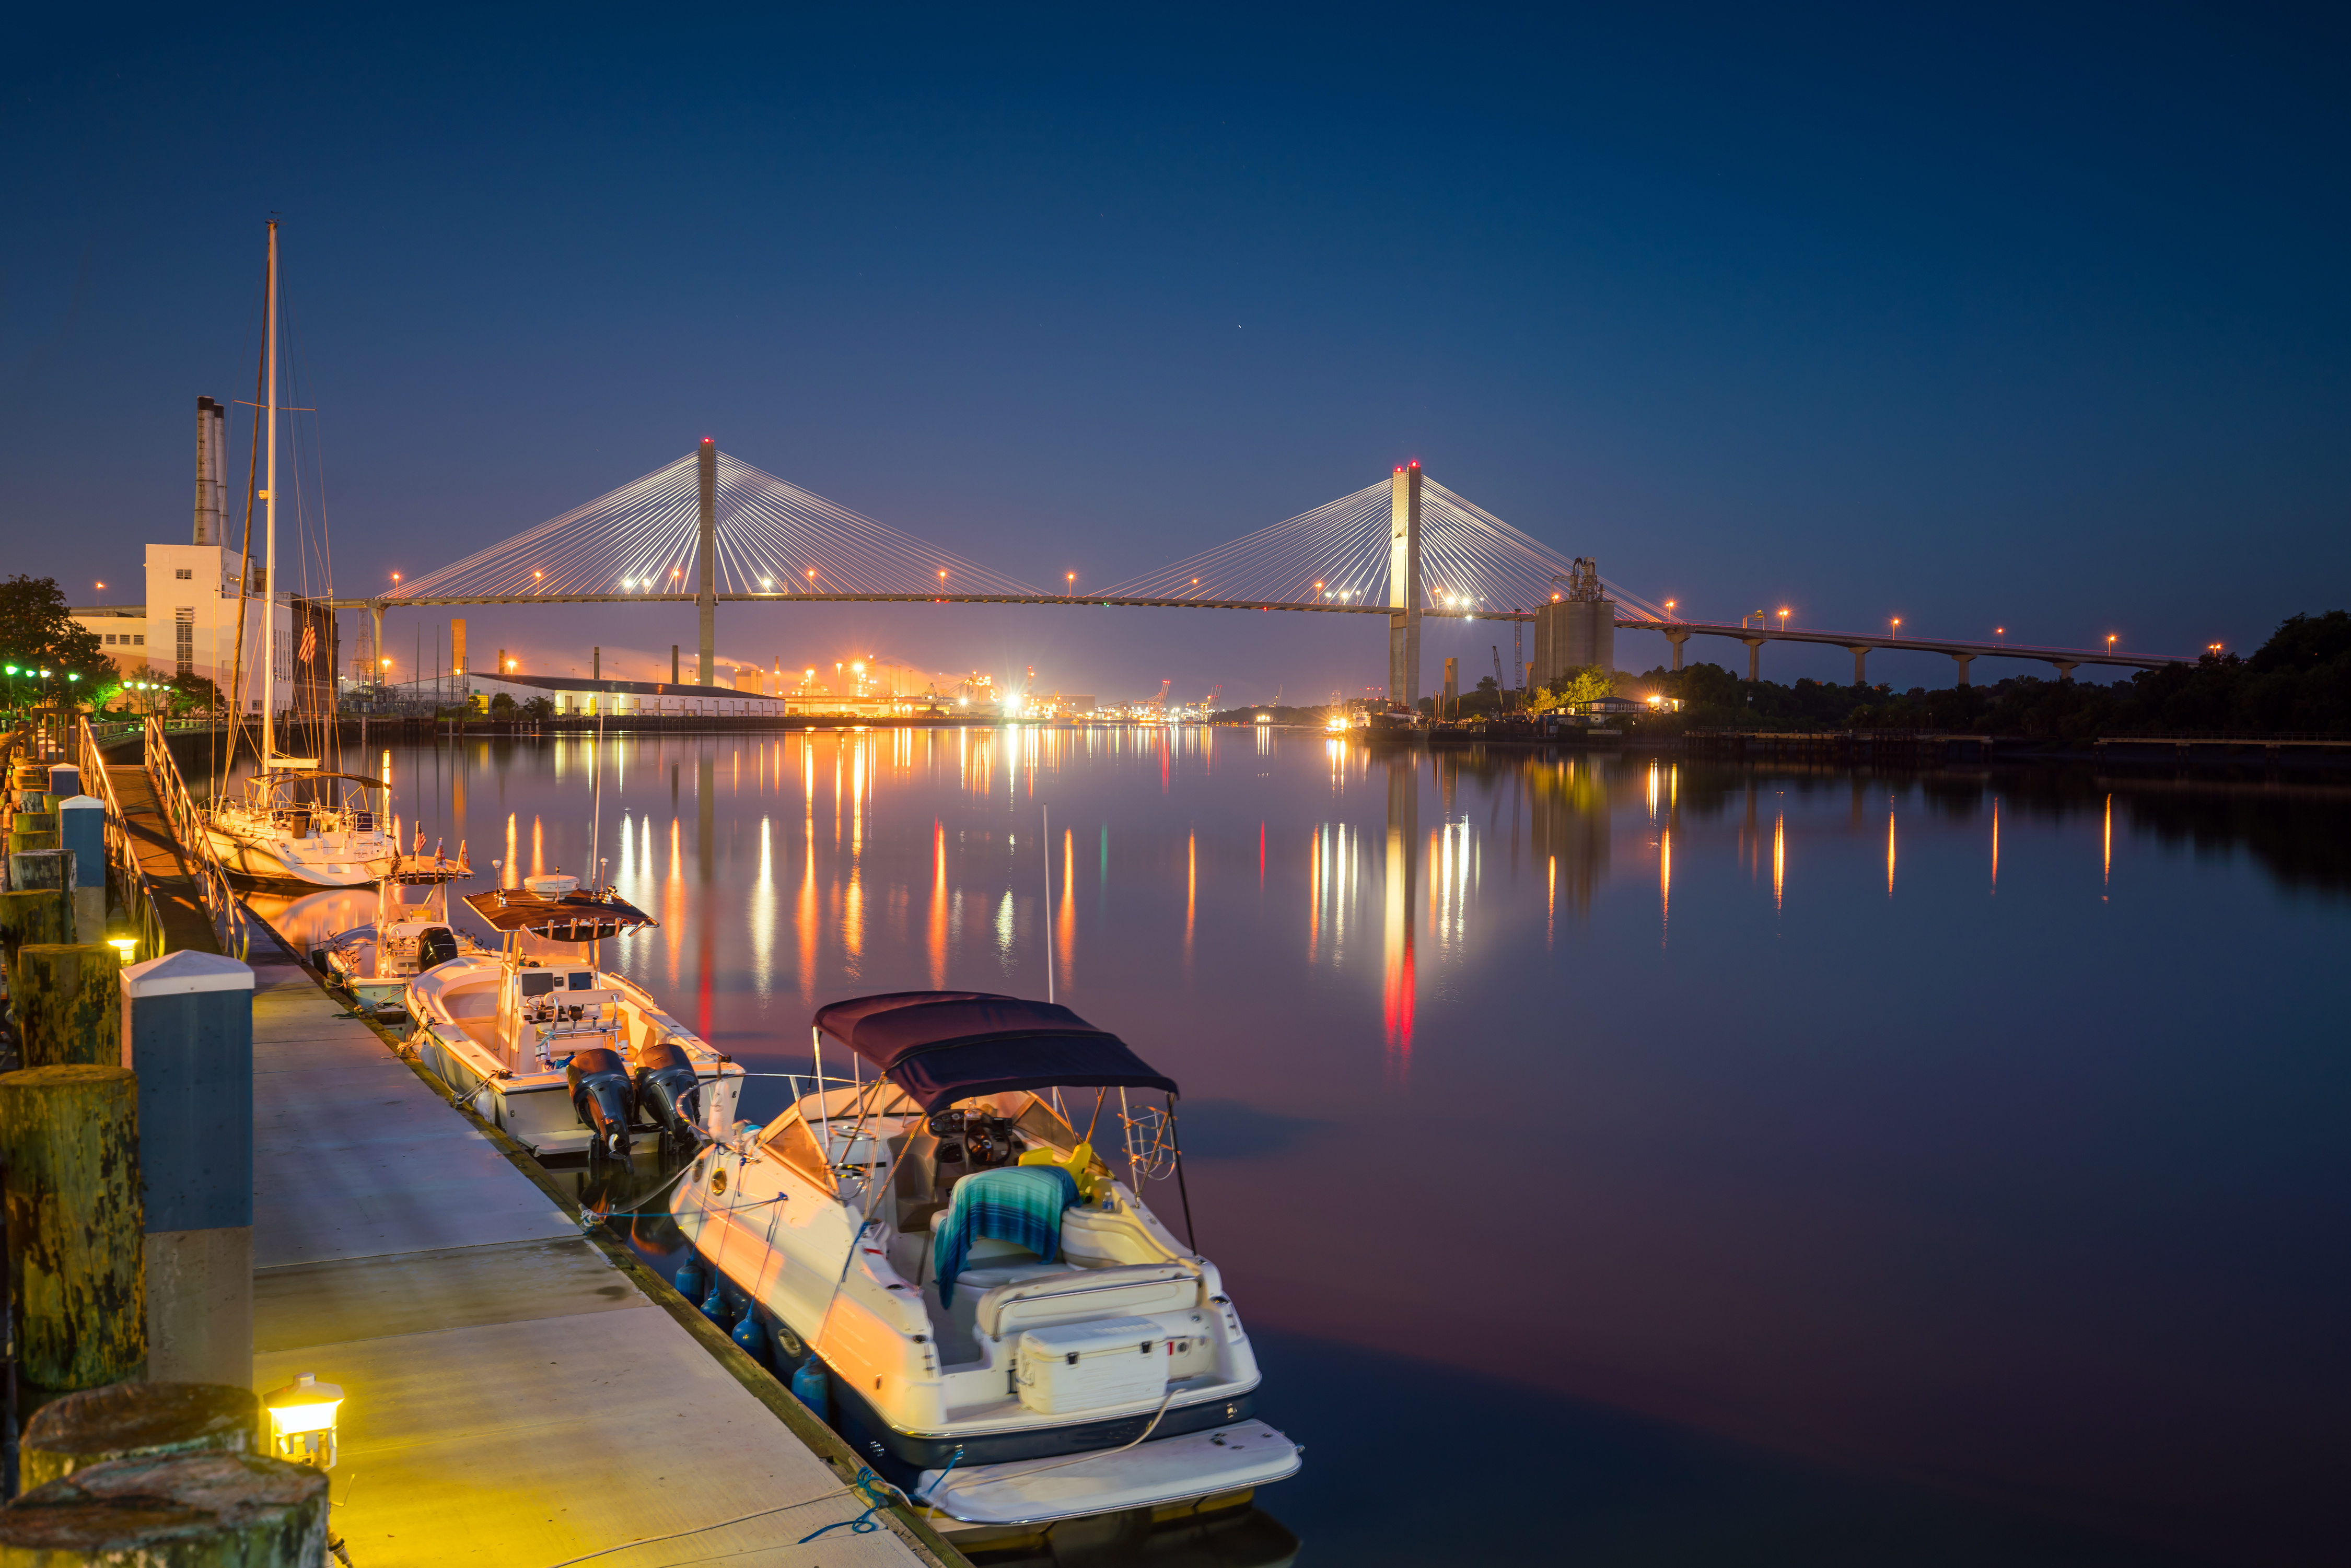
point(302, 1421)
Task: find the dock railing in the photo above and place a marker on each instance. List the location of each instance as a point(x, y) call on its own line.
point(139, 894)
point(231, 922)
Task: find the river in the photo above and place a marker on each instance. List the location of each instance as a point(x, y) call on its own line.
point(1615, 1160)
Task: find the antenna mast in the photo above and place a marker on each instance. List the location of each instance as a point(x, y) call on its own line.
point(270, 563)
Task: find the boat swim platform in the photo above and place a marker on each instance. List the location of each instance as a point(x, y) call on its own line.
point(516, 1393)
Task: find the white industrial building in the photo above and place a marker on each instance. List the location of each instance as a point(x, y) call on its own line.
point(187, 622)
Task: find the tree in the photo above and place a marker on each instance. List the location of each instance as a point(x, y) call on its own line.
point(190, 693)
point(1579, 685)
point(37, 633)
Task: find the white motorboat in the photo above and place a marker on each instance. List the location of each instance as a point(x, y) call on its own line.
point(1102, 1370)
point(567, 1058)
point(330, 839)
point(375, 962)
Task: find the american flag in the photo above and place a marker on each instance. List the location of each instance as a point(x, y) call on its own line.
point(310, 641)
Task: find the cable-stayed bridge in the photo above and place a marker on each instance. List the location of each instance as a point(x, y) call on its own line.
point(711, 528)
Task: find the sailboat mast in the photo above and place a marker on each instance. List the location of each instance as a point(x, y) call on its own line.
point(269, 561)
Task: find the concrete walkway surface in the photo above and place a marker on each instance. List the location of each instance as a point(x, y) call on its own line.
point(512, 1396)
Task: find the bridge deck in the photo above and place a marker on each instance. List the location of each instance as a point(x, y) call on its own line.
point(179, 896)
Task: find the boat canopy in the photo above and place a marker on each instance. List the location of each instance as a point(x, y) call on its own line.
point(945, 1046)
point(577, 916)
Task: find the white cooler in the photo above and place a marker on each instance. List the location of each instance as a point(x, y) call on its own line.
point(1090, 1365)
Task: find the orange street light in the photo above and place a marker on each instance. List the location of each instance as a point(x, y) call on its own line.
point(1897, 625)
point(943, 574)
point(1783, 619)
point(2110, 642)
point(395, 577)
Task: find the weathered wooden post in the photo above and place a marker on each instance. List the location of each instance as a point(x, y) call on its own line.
point(187, 1033)
point(66, 1003)
point(70, 1135)
point(178, 1510)
point(29, 830)
point(33, 915)
point(81, 837)
point(138, 1420)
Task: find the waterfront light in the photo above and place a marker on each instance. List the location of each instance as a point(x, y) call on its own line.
point(302, 1416)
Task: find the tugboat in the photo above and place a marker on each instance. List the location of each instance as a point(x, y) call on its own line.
point(566, 1057)
point(375, 962)
point(996, 1321)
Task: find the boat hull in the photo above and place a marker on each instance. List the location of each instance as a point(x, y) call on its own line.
point(288, 861)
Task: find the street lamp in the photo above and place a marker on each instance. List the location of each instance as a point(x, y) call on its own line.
point(2110, 642)
point(1898, 626)
point(1783, 618)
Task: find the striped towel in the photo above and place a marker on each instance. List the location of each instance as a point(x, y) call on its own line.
point(1020, 1204)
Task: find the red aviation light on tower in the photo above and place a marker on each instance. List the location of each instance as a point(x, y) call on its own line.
point(1416, 463)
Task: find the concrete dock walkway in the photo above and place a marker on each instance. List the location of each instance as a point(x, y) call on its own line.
point(515, 1393)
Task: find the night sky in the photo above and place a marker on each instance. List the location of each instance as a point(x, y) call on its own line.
point(2027, 316)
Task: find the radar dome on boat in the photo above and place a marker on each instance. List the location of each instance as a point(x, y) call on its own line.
point(553, 884)
point(945, 1046)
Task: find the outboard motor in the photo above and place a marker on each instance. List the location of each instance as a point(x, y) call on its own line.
point(436, 944)
point(665, 1085)
point(600, 1094)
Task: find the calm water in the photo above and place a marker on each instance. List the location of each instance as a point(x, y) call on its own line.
point(1636, 1163)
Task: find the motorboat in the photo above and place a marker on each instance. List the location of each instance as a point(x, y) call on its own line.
point(1100, 1368)
point(565, 1056)
point(300, 824)
point(375, 962)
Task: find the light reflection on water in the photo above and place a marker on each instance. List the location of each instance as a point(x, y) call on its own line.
point(1977, 1129)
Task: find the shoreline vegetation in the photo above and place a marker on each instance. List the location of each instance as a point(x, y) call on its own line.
point(2297, 683)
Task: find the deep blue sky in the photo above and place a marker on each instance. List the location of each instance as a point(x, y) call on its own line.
point(2030, 315)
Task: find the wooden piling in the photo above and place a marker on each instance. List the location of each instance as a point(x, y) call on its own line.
point(75, 1224)
point(40, 914)
point(68, 998)
point(138, 1420)
point(24, 841)
point(180, 1510)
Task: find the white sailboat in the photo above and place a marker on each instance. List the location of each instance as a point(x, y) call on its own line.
point(1095, 1366)
point(293, 821)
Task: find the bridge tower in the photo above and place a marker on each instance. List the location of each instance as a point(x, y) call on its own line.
point(705, 565)
point(1404, 586)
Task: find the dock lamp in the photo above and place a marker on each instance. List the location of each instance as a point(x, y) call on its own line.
point(302, 1421)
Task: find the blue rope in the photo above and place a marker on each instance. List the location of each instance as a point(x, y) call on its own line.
point(932, 1491)
point(876, 1491)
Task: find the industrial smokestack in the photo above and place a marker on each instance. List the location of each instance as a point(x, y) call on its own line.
point(212, 479)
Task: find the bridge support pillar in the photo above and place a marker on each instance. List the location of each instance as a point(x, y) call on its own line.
point(1962, 660)
point(1404, 587)
point(1677, 639)
point(375, 611)
point(1754, 657)
point(1860, 663)
point(2064, 668)
point(705, 599)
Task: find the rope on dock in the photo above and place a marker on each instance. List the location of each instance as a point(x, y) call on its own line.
point(865, 1485)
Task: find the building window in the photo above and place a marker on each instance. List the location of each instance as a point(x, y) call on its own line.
point(184, 633)
point(184, 573)
point(139, 639)
point(110, 639)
